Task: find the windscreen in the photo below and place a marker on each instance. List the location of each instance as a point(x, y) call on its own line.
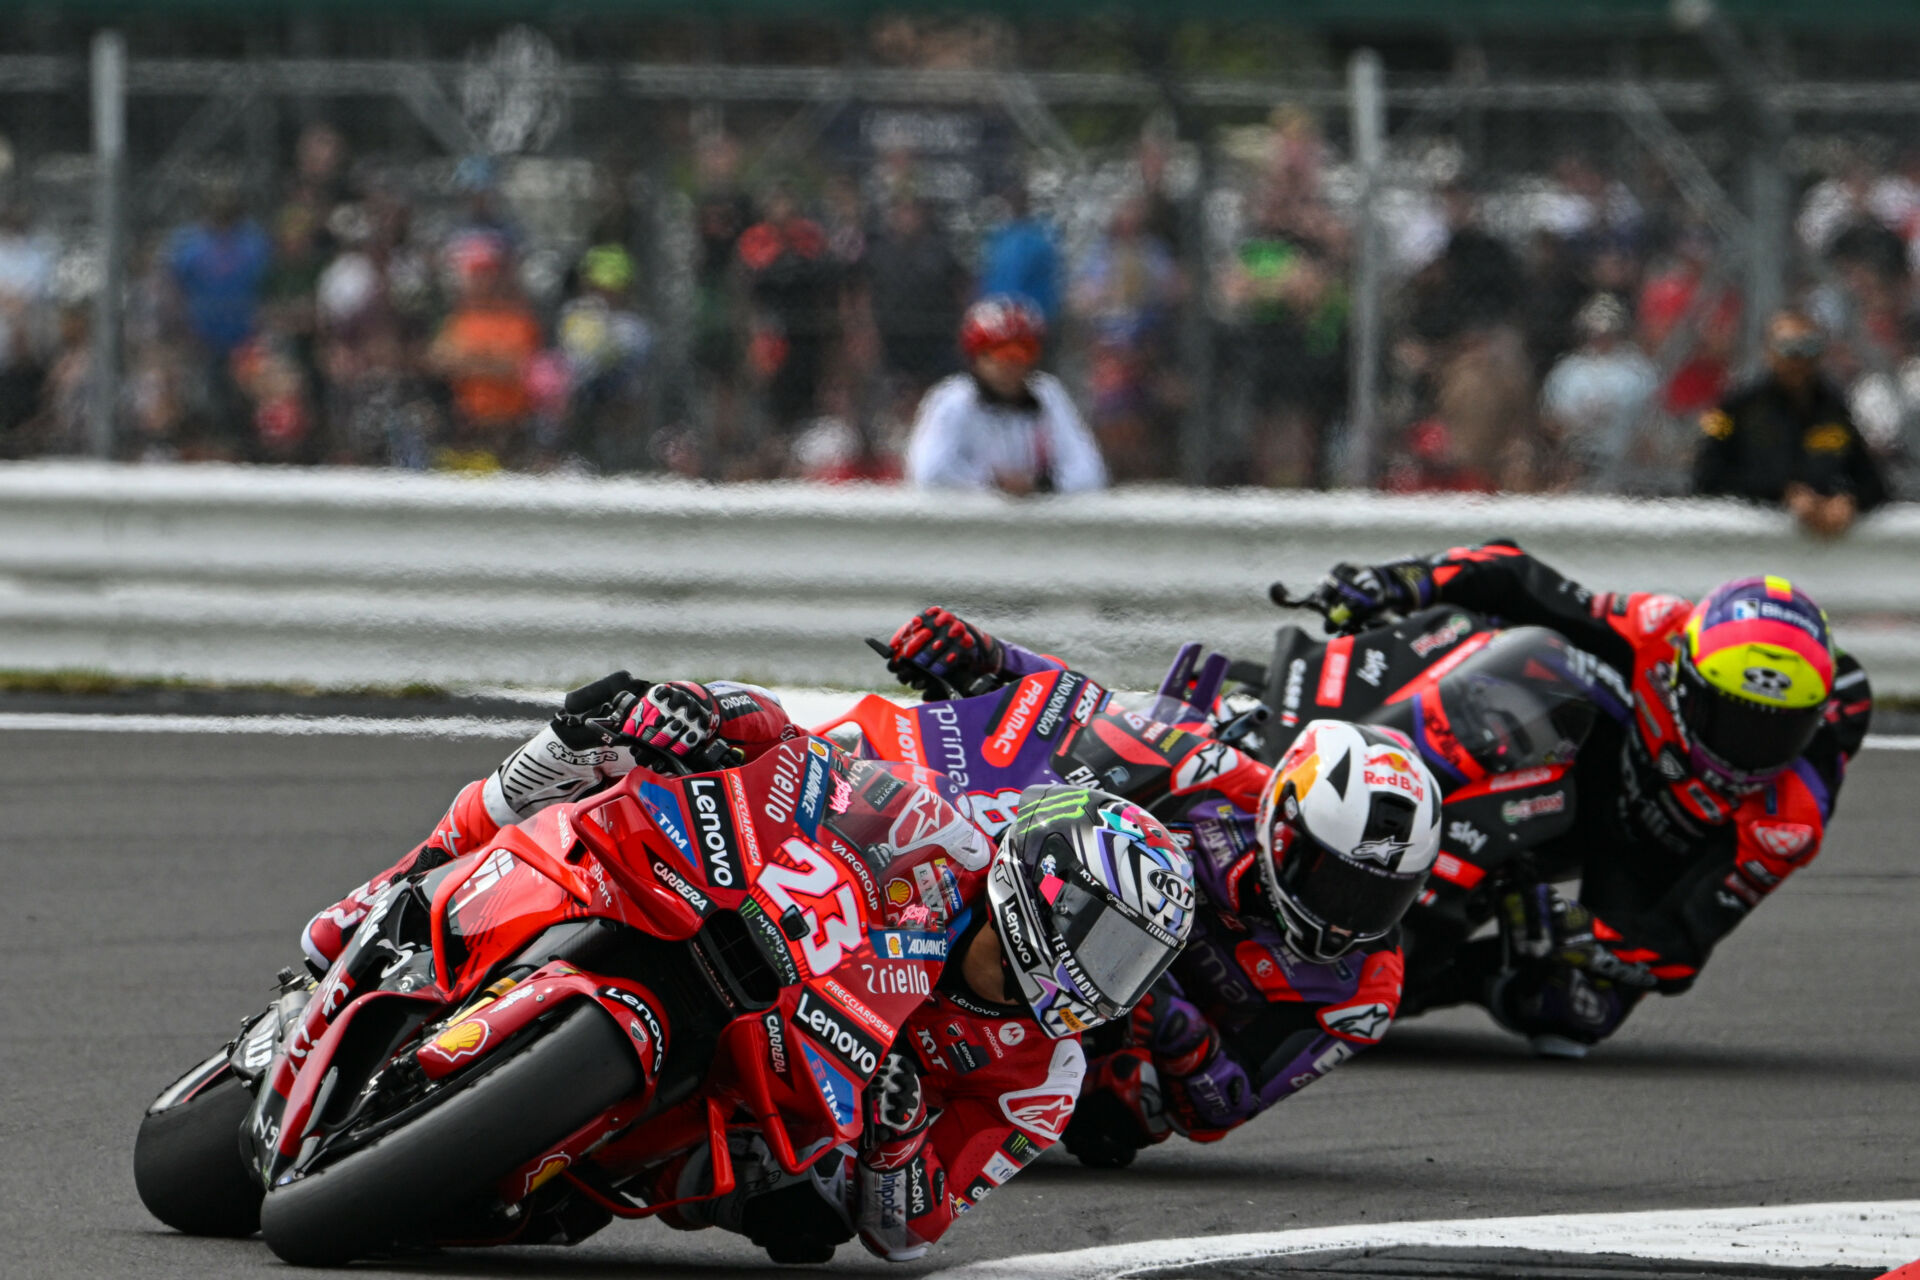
point(1520, 701)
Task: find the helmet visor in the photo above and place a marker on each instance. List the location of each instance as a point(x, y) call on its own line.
point(1361, 897)
point(1120, 955)
point(1743, 739)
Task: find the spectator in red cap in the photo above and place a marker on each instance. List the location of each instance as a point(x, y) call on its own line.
point(1002, 425)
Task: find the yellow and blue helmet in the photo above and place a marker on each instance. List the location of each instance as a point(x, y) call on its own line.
point(1752, 676)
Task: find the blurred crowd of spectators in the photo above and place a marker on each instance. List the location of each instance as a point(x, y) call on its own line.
point(1566, 332)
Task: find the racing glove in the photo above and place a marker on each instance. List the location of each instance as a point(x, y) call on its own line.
point(1354, 594)
point(934, 642)
point(1206, 1092)
point(896, 1114)
point(678, 717)
point(572, 755)
point(1538, 924)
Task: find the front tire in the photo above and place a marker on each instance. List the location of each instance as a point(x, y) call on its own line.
point(396, 1189)
point(188, 1168)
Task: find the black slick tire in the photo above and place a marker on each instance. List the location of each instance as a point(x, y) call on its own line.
point(439, 1163)
point(188, 1168)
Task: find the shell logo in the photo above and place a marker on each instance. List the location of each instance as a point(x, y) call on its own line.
point(462, 1040)
point(899, 892)
point(549, 1169)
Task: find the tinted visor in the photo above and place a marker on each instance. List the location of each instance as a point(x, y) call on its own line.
point(1363, 898)
point(1745, 739)
point(1116, 952)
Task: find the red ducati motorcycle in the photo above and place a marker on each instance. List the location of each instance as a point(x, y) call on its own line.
point(514, 1045)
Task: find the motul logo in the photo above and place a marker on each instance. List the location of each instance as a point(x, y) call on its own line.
point(1002, 746)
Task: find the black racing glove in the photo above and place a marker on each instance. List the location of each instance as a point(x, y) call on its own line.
point(1538, 924)
point(934, 642)
point(1354, 594)
point(594, 713)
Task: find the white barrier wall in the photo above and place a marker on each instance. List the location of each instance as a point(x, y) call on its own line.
point(341, 578)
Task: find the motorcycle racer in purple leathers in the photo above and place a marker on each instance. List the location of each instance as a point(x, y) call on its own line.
point(1303, 871)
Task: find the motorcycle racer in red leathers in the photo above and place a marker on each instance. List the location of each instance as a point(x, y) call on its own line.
point(1709, 780)
point(1065, 926)
point(1304, 872)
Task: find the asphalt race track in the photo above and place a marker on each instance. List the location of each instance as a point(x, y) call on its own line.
point(154, 882)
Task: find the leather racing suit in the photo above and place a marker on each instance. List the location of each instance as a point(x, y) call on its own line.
point(997, 1089)
point(1669, 865)
point(1240, 1022)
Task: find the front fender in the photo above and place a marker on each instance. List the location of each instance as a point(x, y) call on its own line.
point(492, 1023)
point(296, 1131)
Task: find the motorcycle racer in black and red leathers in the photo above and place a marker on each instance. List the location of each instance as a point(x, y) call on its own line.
point(1075, 915)
point(1304, 871)
point(1708, 781)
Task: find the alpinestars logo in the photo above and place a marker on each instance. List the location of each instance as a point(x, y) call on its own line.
point(1385, 851)
point(1046, 1108)
point(1783, 839)
point(1361, 1022)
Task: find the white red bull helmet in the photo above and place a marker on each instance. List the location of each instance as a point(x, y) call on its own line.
point(1349, 829)
point(1092, 899)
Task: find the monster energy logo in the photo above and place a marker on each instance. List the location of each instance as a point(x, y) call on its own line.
point(1066, 804)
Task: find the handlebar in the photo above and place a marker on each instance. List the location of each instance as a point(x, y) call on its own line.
point(934, 688)
point(1338, 618)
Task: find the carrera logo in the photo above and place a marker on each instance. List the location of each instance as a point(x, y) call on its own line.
point(1001, 748)
point(713, 831)
point(776, 1040)
point(837, 1032)
point(695, 899)
point(1783, 839)
point(1524, 778)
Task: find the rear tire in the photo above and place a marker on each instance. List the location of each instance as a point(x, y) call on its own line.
point(188, 1168)
point(439, 1163)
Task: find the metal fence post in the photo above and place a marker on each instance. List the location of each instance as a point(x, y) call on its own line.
point(1368, 120)
point(109, 151)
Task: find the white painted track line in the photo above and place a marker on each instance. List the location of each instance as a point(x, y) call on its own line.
point(1865, 1234)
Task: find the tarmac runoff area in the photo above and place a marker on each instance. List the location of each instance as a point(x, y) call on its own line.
point(1763, 1125)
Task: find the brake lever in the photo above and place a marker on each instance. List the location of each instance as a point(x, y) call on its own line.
point(930, 686)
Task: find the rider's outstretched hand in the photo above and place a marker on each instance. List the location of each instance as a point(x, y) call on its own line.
point(678, 717)
point(1355, 594)
point(938, 643)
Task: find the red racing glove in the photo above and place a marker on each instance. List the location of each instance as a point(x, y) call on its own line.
point(938, 643)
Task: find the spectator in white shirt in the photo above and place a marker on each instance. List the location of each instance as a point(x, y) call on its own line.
point(1002, 425)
